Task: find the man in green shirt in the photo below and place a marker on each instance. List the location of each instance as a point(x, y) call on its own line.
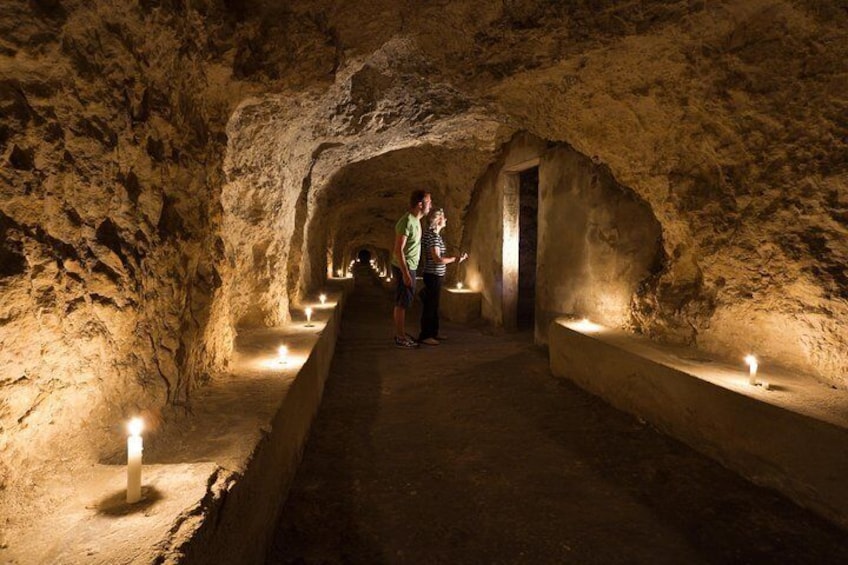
point(405, 255)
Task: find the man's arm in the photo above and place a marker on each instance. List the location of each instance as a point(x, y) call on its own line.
point(400, 242)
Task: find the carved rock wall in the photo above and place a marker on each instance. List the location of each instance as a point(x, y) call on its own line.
point(111, 142)
point(171, 171)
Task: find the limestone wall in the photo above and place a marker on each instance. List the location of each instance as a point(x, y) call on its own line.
point(598, 244)
point(111, 139)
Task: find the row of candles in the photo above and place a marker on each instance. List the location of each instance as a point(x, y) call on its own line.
point(384, 274)
point(135, 426)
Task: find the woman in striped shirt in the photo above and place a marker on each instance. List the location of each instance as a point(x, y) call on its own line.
point(435, 263)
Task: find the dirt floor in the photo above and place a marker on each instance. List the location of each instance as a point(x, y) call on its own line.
point(472, 452)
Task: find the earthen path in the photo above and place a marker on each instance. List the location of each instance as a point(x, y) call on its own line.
point(472, 452)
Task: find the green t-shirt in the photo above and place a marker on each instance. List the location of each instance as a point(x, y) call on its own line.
point(411, 228)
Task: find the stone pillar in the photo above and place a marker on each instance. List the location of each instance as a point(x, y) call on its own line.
point(510, 183)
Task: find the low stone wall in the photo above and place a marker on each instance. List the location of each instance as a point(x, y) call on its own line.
point(791, 438)
point(239, 522)
point(460, 306)
point(215, 473)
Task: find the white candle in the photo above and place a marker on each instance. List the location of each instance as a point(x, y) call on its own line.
point(282, 355)
point(134, 449)
point(459, 285)
point(766, 385)
point(322, 299)
point(339, 273)
point(752, 369)
point(308, 315)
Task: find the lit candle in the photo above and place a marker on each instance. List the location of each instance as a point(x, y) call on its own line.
point(339, 273)
point(282, 355)
point(752, 369)
point(308, 315)
point(134, 449)
point(766, 385)
point(459, 285)
point(322, 299)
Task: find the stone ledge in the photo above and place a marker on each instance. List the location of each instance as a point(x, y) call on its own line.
point(460, 306)
point(214, 478)
point(791, 438)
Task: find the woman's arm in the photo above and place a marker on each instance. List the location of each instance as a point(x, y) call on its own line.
point(436, 254)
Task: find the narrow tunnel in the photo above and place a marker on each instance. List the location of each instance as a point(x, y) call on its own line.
point(198, 214)
point(527, 246)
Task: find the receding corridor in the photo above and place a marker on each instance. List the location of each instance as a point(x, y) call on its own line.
point(472, 452)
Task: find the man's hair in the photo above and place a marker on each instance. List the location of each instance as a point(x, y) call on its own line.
point(417, 197)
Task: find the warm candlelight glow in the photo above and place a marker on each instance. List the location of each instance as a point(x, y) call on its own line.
point(339, 273)
point(134, 450)
point(585, 326)
point(752, 369)
point(135, 426)
point(459, 285)
point(282, 355)
point(308, 313)
point(322, 299)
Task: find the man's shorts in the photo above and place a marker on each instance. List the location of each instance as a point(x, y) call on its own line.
point(403, 294)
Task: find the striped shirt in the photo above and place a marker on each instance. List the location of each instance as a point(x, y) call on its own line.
point(429, 240)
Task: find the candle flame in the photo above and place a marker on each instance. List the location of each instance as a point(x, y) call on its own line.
point(135, 426)
point(751, 360)
point(323, 298)
point(459, 285)
point(283, 353)
point(308, 313)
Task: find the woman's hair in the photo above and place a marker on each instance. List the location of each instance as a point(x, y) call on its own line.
point(435, 216)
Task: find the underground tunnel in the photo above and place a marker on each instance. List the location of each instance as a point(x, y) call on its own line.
point(647, 192)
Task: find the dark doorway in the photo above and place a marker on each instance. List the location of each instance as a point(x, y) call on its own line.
point(528, 201)
point(364, 256)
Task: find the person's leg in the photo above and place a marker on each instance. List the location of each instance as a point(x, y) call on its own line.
point(400, 321)
point(428, 311)
point(403, 300)
point(399, 312)
point(437, 293)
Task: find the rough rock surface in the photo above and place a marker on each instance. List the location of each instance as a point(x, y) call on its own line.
point(174, 171)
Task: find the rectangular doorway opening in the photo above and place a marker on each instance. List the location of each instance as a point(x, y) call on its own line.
point(528, 201)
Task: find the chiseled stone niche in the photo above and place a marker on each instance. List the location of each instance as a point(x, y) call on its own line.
point(599, 244)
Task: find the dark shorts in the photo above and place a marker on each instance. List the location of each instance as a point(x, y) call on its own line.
point(403, 294)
